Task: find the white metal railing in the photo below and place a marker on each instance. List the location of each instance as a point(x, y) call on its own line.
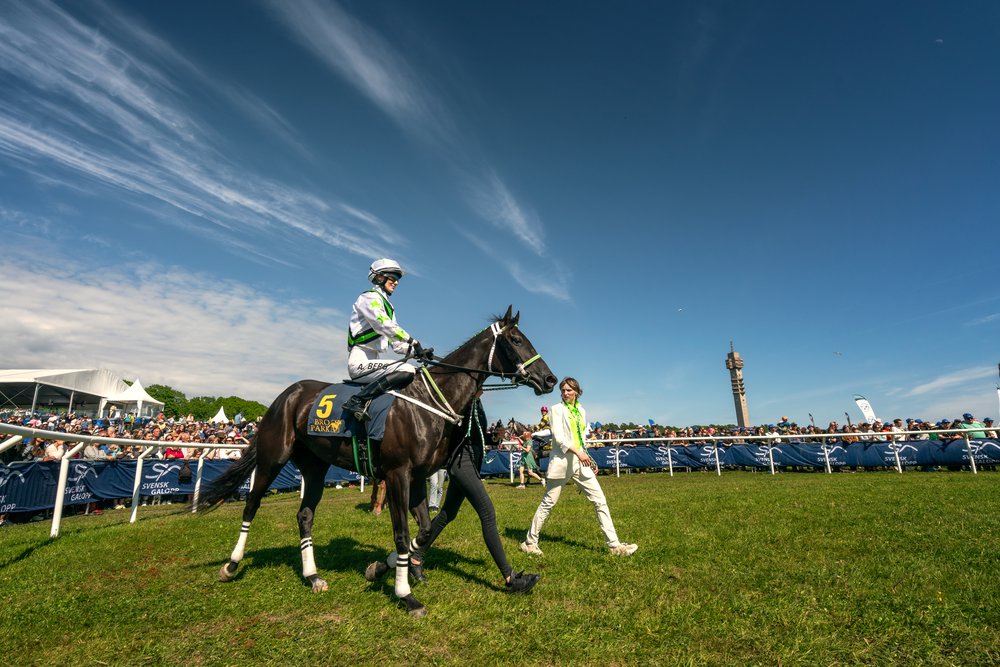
point(806, 439)
point(18, 433)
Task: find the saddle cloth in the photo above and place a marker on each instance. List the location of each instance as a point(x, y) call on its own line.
point(327, 416)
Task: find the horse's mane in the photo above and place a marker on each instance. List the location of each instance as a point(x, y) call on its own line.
point(492, 320)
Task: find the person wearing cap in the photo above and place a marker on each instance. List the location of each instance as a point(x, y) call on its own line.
point(969, 423)
point(543, 423)
point(990, 432)
point(373, 329)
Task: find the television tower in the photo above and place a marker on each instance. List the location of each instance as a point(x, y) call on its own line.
point(735, 366)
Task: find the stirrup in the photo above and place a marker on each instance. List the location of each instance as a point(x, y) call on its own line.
point(359, 411)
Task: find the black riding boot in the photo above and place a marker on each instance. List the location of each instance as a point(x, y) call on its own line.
point(358, 404)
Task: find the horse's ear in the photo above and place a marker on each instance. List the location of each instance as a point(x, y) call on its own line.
point(506, 316)
point(516, 318)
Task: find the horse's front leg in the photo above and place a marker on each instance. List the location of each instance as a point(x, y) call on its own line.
point(418, 508)
point(398, 488)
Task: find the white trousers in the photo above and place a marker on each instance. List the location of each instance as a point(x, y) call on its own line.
point(365, 366)
point(587, 481)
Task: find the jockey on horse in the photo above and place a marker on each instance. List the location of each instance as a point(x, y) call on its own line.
point(372, 330)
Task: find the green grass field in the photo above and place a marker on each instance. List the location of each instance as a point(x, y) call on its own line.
point(796, 569)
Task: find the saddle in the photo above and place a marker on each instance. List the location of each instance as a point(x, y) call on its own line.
point(327, 418)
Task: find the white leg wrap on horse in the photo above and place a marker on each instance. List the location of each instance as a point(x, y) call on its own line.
point(413, 545)
point(402, 575)
point(241, 543)
point(308, 562)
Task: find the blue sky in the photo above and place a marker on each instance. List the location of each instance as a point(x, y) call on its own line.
point(192, 193)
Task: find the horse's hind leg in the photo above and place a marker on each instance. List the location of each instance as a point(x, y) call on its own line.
point(398, 486)
point(313, 473)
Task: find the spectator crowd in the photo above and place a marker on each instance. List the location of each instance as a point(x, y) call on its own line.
point(897, 430)
point(182, 433)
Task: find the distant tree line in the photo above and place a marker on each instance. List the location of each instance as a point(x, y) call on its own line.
point(203, 408)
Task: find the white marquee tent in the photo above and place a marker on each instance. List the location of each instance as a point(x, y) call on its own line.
point(81, 389)
point(146, 405)
point(220, 417)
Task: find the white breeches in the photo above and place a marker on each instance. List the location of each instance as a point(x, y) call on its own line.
point(365, 366)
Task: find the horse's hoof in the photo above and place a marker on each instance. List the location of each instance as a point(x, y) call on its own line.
point(376, 571)
point(318, 585)
point(228, 572)
point(414, 608)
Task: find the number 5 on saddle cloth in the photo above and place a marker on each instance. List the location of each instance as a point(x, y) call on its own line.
point(327, 418)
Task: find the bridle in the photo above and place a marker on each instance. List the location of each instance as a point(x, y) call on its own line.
point(518, 377)
point(443, 407)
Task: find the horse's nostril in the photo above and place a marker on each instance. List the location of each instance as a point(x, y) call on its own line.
point(550, 379)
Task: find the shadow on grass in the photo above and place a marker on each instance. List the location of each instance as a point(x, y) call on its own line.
point(446, 560)
point(518, 534)
point(27, 553)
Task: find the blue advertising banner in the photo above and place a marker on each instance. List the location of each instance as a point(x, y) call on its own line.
point(28, 487)
point(32, 486)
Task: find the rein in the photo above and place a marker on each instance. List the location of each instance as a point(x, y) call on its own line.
point(442, 407)
point(517, 377)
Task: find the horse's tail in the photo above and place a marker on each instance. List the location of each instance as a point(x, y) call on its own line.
point(232, 478)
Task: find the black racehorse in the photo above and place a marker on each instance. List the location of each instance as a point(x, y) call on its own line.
point(417, 442)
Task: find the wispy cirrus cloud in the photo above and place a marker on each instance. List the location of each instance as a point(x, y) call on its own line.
point(552, 280)
point(194, 332)
point(81, 102)
point(983, 320)
point(366, 60)
point(950, 380)
point(492, 199)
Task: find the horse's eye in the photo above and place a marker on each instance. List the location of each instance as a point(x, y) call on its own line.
point(516, 340)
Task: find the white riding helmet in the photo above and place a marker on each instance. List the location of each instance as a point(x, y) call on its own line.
point(385, 266)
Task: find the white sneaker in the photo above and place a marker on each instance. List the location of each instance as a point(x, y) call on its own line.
point(520, 486)
point(531, 549)
point(624, 549)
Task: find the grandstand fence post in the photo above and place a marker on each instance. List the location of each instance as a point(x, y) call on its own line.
point(197, 482)
point(826, 457)
point(770, 456)
point(895, 453)
point(138, 482)
point(670, 459)
point(972, 459)
point(718, 465)
point(57, 510)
